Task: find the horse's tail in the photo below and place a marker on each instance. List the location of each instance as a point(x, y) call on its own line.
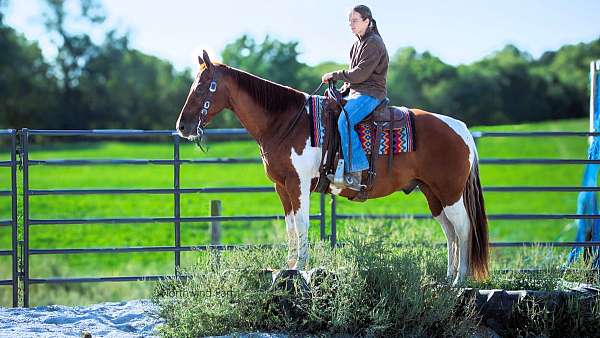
point(473, 199)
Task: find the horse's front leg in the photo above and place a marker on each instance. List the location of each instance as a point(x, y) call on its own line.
point(301, 207)
point(292, 236)
point(306, 166)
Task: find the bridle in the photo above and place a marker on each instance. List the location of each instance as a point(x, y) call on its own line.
point(335, 94)
point(212, 88)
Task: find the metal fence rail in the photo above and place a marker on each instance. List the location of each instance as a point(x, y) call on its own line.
point(176, 191)
point(12, 222)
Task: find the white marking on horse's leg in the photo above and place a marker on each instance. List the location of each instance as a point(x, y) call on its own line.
point(292, 237)
point(302, 224)
point(306, 164)
point(452, 244)
point(461, 129)
point(457, 214)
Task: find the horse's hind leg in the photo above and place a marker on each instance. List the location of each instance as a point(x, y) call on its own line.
point(292, 235)
point(457, 214)
point(452, 245)
point(438, 213)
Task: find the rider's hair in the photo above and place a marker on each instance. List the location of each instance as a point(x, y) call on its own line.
point(365, 13)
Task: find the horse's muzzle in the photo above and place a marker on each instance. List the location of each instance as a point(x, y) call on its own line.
point(186, 129)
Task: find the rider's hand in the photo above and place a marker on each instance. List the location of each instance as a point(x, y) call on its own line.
point(326, 77)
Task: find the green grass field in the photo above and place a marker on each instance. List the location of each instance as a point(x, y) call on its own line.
point(193, 176)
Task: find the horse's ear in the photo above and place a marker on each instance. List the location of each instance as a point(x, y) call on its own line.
point(206, 59)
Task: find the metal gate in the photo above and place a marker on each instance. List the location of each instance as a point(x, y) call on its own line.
point(11, 222)
point(21, 274)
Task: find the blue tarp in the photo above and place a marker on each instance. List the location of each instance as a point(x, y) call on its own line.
point(587, 203)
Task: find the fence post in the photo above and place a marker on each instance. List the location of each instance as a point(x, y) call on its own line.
point(594, 93)
point(215, 225)
point(322, 215)
point(595, 111)
point(25, 159)
point(215, 231)
point(176, 203)
point(333, 237)
point(15, 232)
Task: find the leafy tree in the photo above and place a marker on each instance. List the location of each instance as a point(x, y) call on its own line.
point(519, 90)
point(124, 88)
point(3, 4)
point(272, 59)
point(413, 79)
point(74, 50)
point(111, 85)
point(567, 73)
point(473, 96)
point(27, 89)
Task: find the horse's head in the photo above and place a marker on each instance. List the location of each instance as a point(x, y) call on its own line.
point(206, 98)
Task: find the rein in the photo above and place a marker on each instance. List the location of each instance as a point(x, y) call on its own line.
point(207, 102)
point(337, 97)
point(299, 113)
point(333, 92)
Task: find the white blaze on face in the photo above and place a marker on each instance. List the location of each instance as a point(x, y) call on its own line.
point(461, 129)
point(192, 89)
point(195, 83)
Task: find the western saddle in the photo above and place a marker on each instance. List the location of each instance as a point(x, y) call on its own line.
point(381, 119)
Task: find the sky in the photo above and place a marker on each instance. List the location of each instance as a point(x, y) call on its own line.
point(459, 32)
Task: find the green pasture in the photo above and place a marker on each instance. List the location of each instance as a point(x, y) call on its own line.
point(242, 175)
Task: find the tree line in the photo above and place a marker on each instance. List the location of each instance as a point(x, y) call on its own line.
point(112, 85)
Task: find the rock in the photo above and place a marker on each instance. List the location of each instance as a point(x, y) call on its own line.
point(483, 331)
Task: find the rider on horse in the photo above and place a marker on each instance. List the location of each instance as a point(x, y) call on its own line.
point(366, 83)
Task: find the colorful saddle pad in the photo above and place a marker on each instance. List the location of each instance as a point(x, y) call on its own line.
point(403, 133)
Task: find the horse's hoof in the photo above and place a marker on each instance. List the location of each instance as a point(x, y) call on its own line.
point(292, 264)
point(458, 282)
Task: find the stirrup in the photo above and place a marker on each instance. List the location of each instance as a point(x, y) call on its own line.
point(348, 182)
point(352, 183)
point(338, 179)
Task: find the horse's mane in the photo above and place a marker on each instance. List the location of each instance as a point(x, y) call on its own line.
point(272, 96)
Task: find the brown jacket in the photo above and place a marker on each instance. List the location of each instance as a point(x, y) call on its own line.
point(368, 67)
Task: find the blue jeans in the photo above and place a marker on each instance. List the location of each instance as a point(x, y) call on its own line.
point(358, 107)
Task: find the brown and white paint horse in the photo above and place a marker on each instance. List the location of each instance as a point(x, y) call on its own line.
point(444, 163)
